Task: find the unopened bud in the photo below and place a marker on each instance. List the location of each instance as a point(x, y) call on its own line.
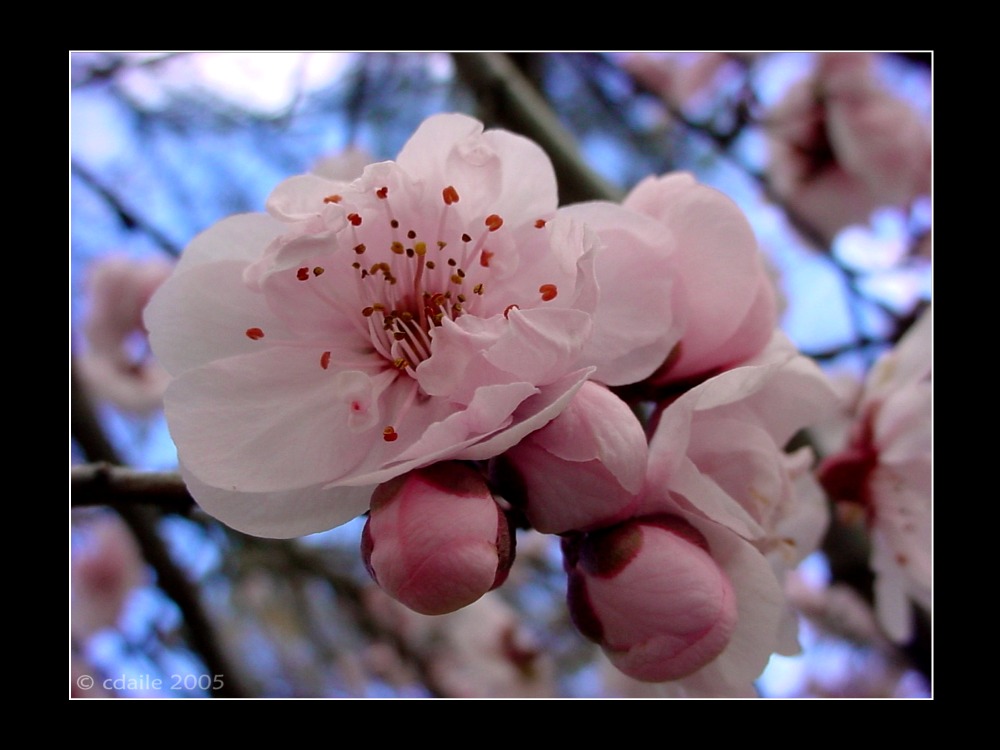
point(436, 540)
point(650, 593)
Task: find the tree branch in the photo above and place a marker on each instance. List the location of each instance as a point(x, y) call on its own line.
point(120, 487)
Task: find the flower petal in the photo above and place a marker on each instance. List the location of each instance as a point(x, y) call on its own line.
point(239, 423)
point(280, 515)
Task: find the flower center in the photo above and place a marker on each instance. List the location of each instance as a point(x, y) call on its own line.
point(411, 272)
point(418, 277)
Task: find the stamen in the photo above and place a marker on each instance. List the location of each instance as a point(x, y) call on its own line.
point(548, 292)
point(255, 334)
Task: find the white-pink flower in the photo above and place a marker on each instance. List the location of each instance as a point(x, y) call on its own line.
point(718, 450)
point(116, 363)
point(885, 467)
point(842, 145)
point(439, 307)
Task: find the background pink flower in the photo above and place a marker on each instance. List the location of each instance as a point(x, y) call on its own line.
point(842, 145)
point(885, 468)
point(116, 363)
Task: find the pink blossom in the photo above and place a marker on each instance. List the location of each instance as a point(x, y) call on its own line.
point(885, 469)
point(842, 145)
point(117, 364)
point(718, 450)
point(437, 308)
point(105, 571)
point(436, 540)
point(677, 77)
point(584, 469)
point(723, 292)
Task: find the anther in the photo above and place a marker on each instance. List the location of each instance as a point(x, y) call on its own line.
point(478, 289)
point(411, 235)
point(389, 434)
point(360, 248)
point(466, 238)
point(494, 222)
point(302, 274)
point(255, 334)
point(548, 292)
point(332, 199)
point(382, 192)
point(540, 223)
point(318, 271)
point(355, 219)
point(394, 224)
point(484, 258)
point(397, 247)
point(506, 310)
point(450, 195)
point(324, 360)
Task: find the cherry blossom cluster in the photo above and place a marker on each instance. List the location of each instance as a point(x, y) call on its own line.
point(438, 344)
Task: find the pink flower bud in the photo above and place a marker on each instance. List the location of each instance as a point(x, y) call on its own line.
point(584, 469)
point(651, 594)
point(436, 540)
